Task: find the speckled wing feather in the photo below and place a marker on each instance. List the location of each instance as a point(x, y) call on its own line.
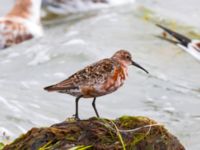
point(94, 74)
point(12, 33)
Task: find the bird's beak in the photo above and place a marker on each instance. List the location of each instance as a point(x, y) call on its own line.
point(137, 65)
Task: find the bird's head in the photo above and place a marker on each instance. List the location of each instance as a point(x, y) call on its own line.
point(125, 58)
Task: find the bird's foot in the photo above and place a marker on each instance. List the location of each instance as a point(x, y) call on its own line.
point(76, 117)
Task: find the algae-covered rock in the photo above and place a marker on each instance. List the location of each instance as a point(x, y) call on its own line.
point(1, 146)
point(126, 133)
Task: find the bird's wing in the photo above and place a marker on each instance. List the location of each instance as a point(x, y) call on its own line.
point(94, 74)
point(12, 33)
point(183, 40)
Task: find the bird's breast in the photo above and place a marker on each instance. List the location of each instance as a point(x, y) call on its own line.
point(17, 30)
point(116, 80)
point(13, 33)
point(111, 84)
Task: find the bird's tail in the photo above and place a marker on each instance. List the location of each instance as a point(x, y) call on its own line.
point(50, 88)
point(59, 87)
point(181, 38)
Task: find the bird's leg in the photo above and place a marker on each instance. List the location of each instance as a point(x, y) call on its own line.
point(76, 113)
point(94, 106)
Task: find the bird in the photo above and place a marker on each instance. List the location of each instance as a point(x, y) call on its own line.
point(192, 46)
point(98, 79)
point(21, 23)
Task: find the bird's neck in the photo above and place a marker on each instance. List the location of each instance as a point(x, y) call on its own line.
point(26, 9)
point(121, 62)
point(123, 65)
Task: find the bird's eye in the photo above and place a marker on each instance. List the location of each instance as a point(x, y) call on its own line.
point(127, 57)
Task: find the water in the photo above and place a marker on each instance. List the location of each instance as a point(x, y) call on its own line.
point(170, 94)
point(66, 6)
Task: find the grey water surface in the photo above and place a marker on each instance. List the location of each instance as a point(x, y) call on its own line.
point(170, 94)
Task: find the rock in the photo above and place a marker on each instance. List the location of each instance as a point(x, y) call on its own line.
point(1, 146)
point(125, 133)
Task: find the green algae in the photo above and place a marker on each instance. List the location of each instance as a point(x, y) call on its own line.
point(119, 135)
point(4, 139)
point(80, 148)
point(125, 133)
point(1, 146)
point(145, 13)
point(52, 16)
point(149, 15)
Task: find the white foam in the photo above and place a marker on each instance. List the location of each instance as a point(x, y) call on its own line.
point(60, 74)
point(75, 41)
point(40, 57)
point(29, 84)
point(6, 131)
point(80, 5)
point(120, 2)
point(72, 33)
point(13, 55)
point(10, 106)
point(21, 128)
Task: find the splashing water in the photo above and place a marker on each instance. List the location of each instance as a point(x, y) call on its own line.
point(170, 94)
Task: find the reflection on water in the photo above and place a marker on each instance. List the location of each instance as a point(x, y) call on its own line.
point(170, 94)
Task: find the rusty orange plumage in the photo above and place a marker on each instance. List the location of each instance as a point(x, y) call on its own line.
point(21, 23)
point(98, 79)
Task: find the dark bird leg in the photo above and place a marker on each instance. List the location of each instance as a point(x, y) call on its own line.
point(76, 114)
point(94, 106)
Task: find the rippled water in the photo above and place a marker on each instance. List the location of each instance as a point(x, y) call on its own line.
point(170, 94)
